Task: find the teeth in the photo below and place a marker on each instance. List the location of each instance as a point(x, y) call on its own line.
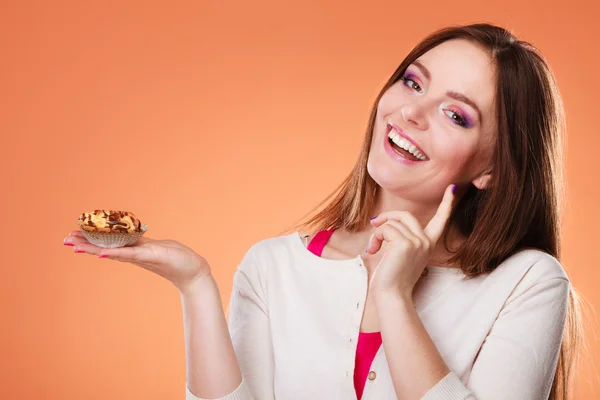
point(406, 145)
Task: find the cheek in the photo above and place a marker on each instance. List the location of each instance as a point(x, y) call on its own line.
point(389, 104)
point(454, 155)
point(391, 100)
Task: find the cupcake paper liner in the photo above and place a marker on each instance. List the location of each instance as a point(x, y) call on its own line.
point(110, 240)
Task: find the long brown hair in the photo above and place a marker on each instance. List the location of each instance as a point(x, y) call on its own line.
point(522, 207)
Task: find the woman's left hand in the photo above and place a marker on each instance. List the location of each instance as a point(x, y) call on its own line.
point(408, 247)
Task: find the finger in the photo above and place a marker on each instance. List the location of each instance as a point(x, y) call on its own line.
point(132, 254)
point(86, 247)
point(385, 232)
point(76, 233)
point(406, 232)
point(435, 227)
point(74, 240)
point(405, 218)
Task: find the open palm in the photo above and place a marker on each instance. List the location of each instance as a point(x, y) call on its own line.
point(168, 258)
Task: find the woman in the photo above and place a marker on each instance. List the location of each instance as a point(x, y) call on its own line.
point(459, 293)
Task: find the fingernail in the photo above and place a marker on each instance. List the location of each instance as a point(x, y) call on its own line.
point(102, 256)
point(77, 251)
point(453, 189)
point(68, 244)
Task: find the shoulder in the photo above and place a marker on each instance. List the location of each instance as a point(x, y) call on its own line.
point(528, 269)
point(277, 244)
point(536, 265)
point(274, 250)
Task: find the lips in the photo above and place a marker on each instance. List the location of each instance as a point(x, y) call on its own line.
point(405, 136)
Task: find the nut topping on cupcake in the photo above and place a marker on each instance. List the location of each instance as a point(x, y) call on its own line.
point(109, 221)
point(110, 229)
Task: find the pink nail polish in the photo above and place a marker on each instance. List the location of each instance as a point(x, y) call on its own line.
point(78, 251)
point(102, 256)
point(68, 244)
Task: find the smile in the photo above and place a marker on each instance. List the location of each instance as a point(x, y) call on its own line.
point(399, 145)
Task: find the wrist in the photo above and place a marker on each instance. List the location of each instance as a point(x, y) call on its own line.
point(396, 296)
point(198, 285)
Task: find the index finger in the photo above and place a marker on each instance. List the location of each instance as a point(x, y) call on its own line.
point(435, 227)
point(134, 253)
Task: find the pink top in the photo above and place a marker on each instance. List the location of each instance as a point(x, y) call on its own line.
point(368, 343)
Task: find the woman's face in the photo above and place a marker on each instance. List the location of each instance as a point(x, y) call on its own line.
point(443, 107)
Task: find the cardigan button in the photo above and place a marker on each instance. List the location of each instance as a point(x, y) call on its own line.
point(425, 272)
point(372, 375)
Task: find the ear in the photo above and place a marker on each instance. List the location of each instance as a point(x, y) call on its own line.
point(483, 181)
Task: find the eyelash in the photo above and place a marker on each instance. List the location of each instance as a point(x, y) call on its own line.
point(407, 77)
point(461, 119)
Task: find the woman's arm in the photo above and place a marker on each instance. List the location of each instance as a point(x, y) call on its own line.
point(517, 360)
point(519, 356)
point(212, 370)
point(414, 361)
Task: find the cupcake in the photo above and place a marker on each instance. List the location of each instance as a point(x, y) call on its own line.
point(110, 229)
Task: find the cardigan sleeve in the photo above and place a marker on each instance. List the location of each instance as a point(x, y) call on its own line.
point(519, 356)
point(250, 333)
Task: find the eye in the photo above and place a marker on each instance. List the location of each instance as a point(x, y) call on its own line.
point(456, 117)
point(410, 82)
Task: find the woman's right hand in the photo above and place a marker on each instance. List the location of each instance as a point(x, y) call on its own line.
point(170, 259)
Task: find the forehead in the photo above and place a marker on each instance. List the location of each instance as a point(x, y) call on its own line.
point(462, 66)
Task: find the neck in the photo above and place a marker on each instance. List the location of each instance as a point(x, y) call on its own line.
point(422, 208)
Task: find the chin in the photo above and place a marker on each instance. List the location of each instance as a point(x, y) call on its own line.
point(384, 176)
point(416, 189)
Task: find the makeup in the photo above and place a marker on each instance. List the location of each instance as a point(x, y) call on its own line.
point(458, 117)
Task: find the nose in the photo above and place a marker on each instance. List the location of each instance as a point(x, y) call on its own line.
point(415, 114)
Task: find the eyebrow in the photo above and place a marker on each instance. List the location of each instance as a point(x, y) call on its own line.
point(454, 95)
point(465, 99)
point(424, 70)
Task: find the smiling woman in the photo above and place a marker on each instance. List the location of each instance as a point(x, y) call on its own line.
point(432, 272)
point(442, 108)
point(479, 108)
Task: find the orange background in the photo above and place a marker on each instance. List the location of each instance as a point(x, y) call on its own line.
point(218, 124)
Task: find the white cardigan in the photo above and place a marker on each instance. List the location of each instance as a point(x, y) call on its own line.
point(294, 320)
